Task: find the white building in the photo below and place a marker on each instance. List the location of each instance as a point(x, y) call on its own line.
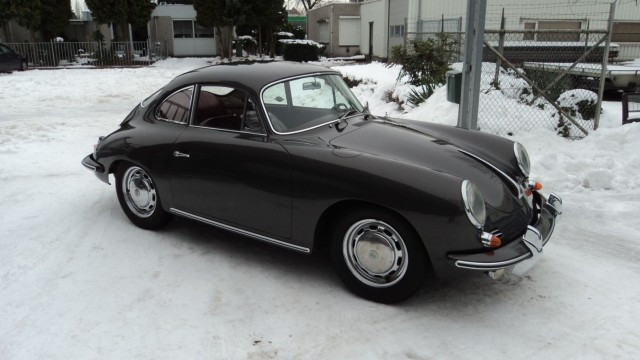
point(547, 15)
point(174, 27)
point(386, 23)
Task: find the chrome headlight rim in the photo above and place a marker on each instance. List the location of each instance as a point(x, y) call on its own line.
point(522, 158)
point(474, 205)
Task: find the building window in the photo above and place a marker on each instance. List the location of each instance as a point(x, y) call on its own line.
point(203, 32)
point(187, 29)
point(396, 31)
point(349, 31)
point(183, 29)
point(626, 32)
point(551, 25)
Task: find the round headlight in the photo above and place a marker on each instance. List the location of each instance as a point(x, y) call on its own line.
point(473, 204)
point(522, 158)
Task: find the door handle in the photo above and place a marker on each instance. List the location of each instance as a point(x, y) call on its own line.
point(178, 154)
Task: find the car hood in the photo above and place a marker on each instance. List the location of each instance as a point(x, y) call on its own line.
point(410, 143)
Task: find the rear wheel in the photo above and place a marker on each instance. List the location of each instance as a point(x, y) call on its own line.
point(377, 255)
point(24, 65)
point(139, 198)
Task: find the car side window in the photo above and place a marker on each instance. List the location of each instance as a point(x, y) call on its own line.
point(275, 95)
point(226, 108)
point(4, 49)
point(176, 107)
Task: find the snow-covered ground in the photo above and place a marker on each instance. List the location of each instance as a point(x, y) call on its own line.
point(79, 281)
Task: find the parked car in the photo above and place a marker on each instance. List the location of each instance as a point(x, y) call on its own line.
point(10, 60)
point(286, 154)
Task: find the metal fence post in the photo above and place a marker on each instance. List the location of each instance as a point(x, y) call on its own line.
point(472, 69)
point(463, 114)
point(496, 77)
point(605, 62)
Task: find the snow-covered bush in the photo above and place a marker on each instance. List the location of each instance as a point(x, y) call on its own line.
point(581, 104)
point(249, 44)
point(301, 50)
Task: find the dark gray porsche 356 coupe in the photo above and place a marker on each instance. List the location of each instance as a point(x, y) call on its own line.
point(285, 153)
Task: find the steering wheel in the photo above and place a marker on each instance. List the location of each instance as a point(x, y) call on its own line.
point(340, 107)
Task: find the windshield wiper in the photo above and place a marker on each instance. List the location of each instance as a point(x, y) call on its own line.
point(347, 113)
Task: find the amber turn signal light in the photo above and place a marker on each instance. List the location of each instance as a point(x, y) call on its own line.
point(534, 185)
point(490, 240)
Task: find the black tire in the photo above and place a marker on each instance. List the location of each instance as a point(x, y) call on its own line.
point(139, 197)
point(396, 261)
point(24, 65)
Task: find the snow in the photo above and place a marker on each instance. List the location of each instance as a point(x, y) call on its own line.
point(624, 69)
point(300, 41)
point(527, 43)
point(79, 281)
point(247, 38)
point(285, 33)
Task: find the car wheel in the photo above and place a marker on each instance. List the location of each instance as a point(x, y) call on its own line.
point(139, 197)
point(377, 255)
point(23, 65)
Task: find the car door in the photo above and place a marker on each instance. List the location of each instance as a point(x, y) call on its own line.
point(226, 169)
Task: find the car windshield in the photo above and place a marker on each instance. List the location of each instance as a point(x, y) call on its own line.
point(307, 102)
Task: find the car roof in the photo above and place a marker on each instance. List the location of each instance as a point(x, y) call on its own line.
point(250, 74)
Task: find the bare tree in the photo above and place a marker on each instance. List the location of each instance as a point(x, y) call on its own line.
point(310, 4)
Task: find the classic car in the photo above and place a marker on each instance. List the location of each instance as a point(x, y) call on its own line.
point(285, 153)
point(10, 60)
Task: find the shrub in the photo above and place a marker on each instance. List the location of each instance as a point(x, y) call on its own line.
point(581, 104)
point(302, 50)
point(425, 63)
point(351, 83)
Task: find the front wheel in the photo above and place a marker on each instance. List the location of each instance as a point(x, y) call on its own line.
point(139, 197)
point(377, 255)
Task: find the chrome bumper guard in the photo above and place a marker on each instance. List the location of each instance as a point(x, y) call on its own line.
point(91, 164)
point(519, 256)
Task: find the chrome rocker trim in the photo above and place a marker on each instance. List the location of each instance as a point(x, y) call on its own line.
point(240, 231)
point(527, 250)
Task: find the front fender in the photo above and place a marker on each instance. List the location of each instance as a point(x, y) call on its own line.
point(430, 201)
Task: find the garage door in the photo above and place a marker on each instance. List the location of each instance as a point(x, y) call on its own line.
point(191, 39)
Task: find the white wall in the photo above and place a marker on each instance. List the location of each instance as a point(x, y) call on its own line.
point(375, 11)
point(175, 11)
point(517, 11)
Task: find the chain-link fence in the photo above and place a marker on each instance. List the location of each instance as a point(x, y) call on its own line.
point(541, 79)
point(101, 54)
point(541, 68)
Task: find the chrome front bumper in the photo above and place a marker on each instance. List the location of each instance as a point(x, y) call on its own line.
point(91, 164)
point(519, 256)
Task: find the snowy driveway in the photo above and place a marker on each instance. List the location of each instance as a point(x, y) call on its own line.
point(79, 281)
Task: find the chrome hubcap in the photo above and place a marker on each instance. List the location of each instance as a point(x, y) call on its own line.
point(139, 192)
point(375, 253)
